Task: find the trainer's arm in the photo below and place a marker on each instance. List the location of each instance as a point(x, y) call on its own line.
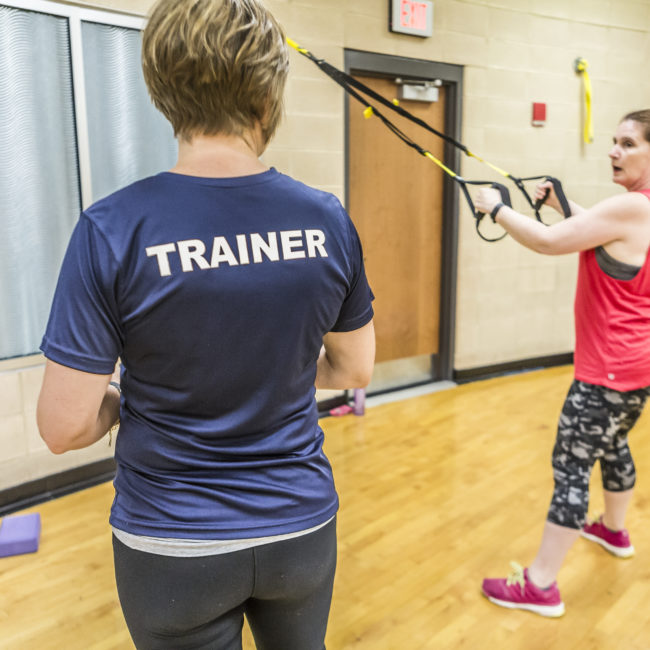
point(75, 408)
point(610, 220)
point(346, 359)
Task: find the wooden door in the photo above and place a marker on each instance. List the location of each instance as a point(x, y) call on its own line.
point(395, 201)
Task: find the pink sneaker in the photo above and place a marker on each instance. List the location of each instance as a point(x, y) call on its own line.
point(618, 543)
point(518, 592)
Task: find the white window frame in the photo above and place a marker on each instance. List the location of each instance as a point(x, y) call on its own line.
point(77, 15)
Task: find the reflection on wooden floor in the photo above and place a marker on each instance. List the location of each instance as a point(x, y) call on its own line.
point(436, 493)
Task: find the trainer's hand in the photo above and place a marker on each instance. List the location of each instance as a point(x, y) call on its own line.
point(550, 200)
point(486, 198)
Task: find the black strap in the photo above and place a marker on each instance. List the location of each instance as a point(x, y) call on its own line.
point(352, 85)
point(342, 80)
point(561, 197)
point(346, 80)
point(478, 216)
point(536, 205)
point(495, 211)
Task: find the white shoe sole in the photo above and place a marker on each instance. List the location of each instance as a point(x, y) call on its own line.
point(550, 611)
point(614, 550)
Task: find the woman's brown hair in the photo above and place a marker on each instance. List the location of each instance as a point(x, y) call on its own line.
point(642, 118)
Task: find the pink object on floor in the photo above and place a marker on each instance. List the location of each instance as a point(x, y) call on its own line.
point(341, 410)
point(20, 534)
point(518, 592)
point(616, 542)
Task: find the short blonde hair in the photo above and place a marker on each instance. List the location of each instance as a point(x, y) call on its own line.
point(215, 66)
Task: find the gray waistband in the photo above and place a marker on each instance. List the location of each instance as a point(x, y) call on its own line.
point(174, 547)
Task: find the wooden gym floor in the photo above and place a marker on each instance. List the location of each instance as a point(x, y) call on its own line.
point(436, 492)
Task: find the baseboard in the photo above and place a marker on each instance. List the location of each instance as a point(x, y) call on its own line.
point(50, 487)
point(499, 369)
point(326, 405)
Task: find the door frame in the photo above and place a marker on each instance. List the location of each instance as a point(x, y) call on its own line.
point(386, 65)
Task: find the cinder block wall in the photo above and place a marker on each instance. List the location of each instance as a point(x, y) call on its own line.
point(512, 304)
point(23, 454)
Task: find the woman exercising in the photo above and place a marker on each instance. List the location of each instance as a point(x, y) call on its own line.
point(612, 362)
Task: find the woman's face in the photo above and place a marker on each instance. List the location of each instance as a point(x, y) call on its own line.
point(630, 157)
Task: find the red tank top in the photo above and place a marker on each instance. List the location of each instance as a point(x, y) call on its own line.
point(612, 321)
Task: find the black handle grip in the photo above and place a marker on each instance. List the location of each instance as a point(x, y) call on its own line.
point(540, 202)
point(561, 197)
point(478, 216)
point(505, 194)
point(503, 191)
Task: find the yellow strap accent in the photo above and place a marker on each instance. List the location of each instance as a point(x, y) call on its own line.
point(296, 47)
point(581, 68)
point(368, 113)
point(432, 158)
point(489, 164)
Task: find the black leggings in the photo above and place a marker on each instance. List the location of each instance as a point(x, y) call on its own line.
point(284, 589)
point(593, 426)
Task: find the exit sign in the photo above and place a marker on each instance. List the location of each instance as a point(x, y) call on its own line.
point(412, 17)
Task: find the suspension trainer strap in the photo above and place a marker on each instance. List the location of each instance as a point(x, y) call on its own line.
point(371, 111)
point(353, 87)
point(348, 83)
point(338, 76)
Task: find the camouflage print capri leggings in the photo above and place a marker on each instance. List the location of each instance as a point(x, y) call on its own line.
point(593, 426)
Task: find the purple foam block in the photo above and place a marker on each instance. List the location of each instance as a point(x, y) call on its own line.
point(20, 534)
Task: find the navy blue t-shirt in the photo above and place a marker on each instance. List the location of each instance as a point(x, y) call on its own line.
point(215, 294)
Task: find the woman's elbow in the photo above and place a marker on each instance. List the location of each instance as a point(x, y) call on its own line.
point(57, 449)
point(57, 439)
point(53, 441)
point(360, 377)
point(347, 379)
point(363, 378)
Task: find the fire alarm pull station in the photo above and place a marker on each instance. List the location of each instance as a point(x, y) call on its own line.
point(539, 114)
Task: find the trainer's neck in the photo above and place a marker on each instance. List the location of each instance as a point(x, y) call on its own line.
point(221, 156)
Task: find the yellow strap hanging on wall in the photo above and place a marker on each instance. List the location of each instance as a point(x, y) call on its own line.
point(581, 68)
